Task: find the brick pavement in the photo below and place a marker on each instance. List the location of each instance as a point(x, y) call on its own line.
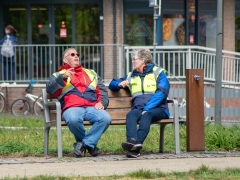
point(105, 165)
point(118, 157)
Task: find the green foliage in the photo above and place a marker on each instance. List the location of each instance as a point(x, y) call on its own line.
point(237, 22)
point(87, 27)
point(29, 121)
point(219, 137)
point(146, 174)
point(237, 28)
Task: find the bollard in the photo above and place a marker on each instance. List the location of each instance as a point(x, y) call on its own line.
point(195, 109)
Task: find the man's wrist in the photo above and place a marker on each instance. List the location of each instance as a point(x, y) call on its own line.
point(63, 76)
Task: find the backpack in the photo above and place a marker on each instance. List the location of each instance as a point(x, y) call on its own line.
point(7, 48)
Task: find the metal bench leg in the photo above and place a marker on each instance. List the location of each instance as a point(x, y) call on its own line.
point(177, 139)
point(46, 140)
point(59, 139)
point(161, 143)
point(59, 131)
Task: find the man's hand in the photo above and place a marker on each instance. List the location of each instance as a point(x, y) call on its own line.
point(143, 112)
point(99, 105)
point(123, 84)
point(68, 73)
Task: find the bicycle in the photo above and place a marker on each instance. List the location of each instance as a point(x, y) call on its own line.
point(21, 107)
point(2, 98)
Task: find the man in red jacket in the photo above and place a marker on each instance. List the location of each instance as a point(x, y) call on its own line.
point(83, 96)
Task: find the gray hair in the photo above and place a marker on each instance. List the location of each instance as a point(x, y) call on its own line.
point(144, 54)
point(66, 50)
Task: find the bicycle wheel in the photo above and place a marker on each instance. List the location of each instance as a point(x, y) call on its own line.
point(2, 102)
point(20, 107)
point(38, 107)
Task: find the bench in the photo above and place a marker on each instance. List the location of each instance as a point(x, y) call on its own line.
point(119, 105)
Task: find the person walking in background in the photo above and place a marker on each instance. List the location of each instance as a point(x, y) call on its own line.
point(149, 88)
point(9, 62)
point(83, 96)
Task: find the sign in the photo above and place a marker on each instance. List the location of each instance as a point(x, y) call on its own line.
point(191, 39)
point(63, 33)
point(152, 3)
point(63, 30)
point(39, 26)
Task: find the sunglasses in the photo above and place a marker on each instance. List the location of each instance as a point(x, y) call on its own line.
point(72, 54)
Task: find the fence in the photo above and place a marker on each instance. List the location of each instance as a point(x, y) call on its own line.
point(230, 103)
point(39, 62)
point(176, 59)
point(111, 61)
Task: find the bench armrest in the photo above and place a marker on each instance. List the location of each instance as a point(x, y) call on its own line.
point(47, 104)
point(176, 124)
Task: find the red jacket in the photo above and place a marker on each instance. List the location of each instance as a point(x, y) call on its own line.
point(81, 90)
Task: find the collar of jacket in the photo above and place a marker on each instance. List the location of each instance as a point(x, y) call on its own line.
point(67, 66)
point(147, 70)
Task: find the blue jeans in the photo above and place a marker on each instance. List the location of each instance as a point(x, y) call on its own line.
point(140, 133)
point(100, 120)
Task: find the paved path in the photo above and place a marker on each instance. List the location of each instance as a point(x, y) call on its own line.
point(105, 165)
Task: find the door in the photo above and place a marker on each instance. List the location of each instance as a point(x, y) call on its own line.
point(40, 24)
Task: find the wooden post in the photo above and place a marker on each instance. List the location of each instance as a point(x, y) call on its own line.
point(195, 109)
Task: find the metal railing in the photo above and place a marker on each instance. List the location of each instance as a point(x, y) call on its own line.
point(230, 102)
point(176, 59)
point(113, 61)
point(39, 62)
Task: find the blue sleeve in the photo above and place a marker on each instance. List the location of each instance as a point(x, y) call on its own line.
point(54, 84)
point(114, 84)
point(14, 39)
point(161, 93)
point(3, 39)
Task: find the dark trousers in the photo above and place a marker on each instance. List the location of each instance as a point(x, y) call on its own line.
point(9, 70)
point(140, 133)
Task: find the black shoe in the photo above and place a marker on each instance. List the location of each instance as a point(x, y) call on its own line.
point(78, 149)
point(132, 145)
point(133, 154)
point(93, 151)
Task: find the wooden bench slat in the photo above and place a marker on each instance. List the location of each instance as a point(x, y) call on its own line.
point(114, 103)
point(123, 122)
point(120, 103)
point(115, 114)
point(120, 93)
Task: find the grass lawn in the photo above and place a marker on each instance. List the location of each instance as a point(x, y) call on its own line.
point(26, 138)
point(23, 137)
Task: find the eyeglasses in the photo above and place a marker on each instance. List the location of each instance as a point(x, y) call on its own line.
point(134, 59)
point(72, 54)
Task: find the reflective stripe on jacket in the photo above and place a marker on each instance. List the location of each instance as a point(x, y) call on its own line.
point(84, 88)
point(146, 97)
point(148, 85)
point(68, 86)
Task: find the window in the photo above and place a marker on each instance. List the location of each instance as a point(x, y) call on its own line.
point(237, 26)
point(40, 24)
point(139, 29)
point(16, 15)
point(63, 24)
point(87, 24)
